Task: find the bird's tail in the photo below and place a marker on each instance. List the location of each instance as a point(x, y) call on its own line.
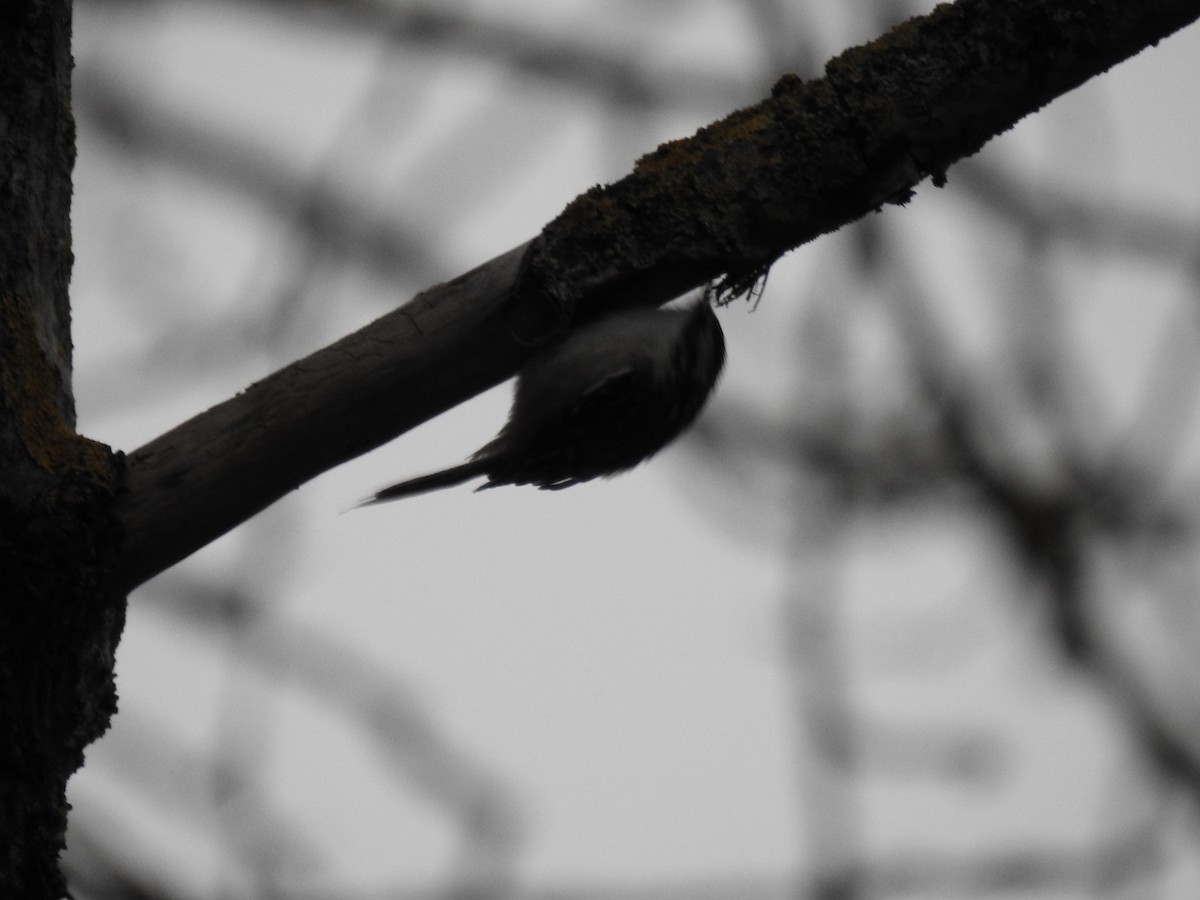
point(431, 482)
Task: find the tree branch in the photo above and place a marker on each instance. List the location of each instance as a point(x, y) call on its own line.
point(197, 481)
point(729, 200)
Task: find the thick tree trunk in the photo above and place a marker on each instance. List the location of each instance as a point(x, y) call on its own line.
point(58, 624)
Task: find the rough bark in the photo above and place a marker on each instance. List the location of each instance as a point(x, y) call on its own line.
point(58, 535)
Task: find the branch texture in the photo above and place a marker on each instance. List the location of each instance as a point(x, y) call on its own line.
point(726, 202)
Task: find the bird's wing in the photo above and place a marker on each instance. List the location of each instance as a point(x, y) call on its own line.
point(606, 431)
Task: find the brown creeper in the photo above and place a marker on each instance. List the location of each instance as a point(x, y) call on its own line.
point(606, 398)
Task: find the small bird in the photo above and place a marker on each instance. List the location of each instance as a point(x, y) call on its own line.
point(604, 399)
